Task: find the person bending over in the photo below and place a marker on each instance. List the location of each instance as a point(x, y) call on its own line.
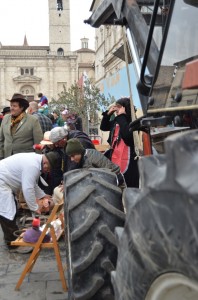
point(91, 158)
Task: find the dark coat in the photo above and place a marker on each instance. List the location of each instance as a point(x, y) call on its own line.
point(65, 164)
point(94, 159)
point(85, 141)
point(55, 177)
point(82, 137)
point(131, 175)
point(78, 123)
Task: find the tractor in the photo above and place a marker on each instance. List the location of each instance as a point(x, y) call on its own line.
point(142, 244)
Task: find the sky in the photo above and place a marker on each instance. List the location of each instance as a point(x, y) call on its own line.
point(30, 17)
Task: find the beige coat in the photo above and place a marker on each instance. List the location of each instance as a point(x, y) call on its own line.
point(27, 134)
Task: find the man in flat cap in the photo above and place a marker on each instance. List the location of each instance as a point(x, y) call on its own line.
point(19, 131)
point(59, 137)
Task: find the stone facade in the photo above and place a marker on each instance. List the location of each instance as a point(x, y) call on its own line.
point(110, 65)
point(33, 69)
point(86, 60)
point(108, 40)
point(111, 70)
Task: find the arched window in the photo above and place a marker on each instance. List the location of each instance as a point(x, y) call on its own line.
point(28, 91)
point(27, 71)
point(60, 52)
point(84, 43)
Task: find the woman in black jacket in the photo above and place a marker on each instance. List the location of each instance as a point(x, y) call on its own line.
point(121, 140)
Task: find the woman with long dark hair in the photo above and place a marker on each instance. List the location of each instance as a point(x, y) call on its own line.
point(121, 140)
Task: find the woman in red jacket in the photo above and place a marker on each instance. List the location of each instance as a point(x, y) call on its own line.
point(121, 140)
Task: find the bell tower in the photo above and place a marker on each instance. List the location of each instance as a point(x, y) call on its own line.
point(59, 26)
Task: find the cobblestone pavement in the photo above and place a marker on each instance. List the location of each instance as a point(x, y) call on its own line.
point(43, 283)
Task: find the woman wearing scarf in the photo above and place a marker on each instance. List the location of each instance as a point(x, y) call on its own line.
point(121, 140)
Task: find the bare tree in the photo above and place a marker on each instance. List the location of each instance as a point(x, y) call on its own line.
point(84, 100)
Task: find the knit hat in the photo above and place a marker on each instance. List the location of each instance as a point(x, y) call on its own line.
point(74, 146)
point(57, 134)
point(36, 222)
point(53, 158)
point(32, 235)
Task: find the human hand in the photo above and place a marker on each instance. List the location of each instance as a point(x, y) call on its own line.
point(112, 110)
point(38, 211)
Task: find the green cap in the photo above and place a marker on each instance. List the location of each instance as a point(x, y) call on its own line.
point(74, 146)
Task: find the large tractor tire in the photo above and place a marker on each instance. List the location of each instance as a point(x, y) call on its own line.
point(93, 208)
point(158, 247)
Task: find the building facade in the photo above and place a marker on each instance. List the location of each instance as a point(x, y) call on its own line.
point(86, 60)
point(32, 69)
point(110, 66)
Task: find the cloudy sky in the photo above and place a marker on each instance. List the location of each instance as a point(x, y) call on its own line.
point(30, 17)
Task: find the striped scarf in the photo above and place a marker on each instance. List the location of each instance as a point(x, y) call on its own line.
point(16, 120)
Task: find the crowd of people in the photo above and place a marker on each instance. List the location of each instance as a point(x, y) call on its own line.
point(63, 147)
point(49, 120)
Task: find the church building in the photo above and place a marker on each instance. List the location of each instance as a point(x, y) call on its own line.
point(30, 70)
